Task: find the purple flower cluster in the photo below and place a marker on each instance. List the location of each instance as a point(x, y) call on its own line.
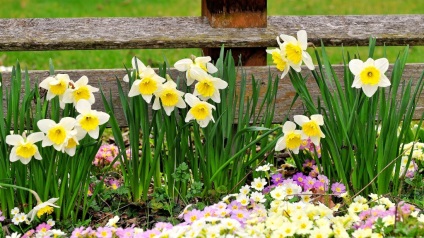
point(106, 155)
point(1, 216)
point(308, 147)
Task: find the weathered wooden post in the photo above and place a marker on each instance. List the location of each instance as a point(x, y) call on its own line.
point(237, 14)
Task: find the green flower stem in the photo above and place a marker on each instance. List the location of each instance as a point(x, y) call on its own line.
point(26, 189)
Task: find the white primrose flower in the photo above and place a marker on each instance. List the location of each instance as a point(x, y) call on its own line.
point(170, 98)
point(369, 75)
point(51, 223)
point(149, 84)
point(42, 208)
point(311, 127)
point(264, 168)
point(14, 235)
point(294, 50)
point(258, 197)
point(57, 134)
point(80, 90)
point(292, 138)
point(89, 120)
point(200, 111)
point(137, 65)
point(208, 87)
point(56, 86)
point(279, 60)
point(112, 222)
point(195, 68)
point(24, 148)
point(258, 183)
point(14, 211)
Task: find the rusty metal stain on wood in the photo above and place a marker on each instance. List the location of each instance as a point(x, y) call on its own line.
point(107, 79)
point(195, 32)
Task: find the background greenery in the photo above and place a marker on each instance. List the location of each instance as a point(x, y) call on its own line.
point(141, 8)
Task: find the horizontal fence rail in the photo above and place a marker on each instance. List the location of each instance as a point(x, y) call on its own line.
point(107, 79)
point(195, 32)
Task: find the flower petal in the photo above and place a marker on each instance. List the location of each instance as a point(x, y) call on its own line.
point(287, 38)
point(382, 64)
point(356, 66)
point(45, 124)
point(302, 37)
point(288, 127)
point(318, 119)
point(14, 139)
point(369, 90)
point(300, 119)
point(281, 144)
point(308, 60)
point(183, 65)
point(384, 81)
point(35, 137)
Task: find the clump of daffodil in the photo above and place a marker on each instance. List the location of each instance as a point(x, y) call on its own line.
point(24, 148)
point(80, 90)
point(369, 75)
point(195, 67)
point(148, 84)
point(200, 111)
point(42, 208)
point(89, 120)
point(208, 87)
point(136, 65)
point(56, 86)
point(292, 138)
point(311, 127)
point(57, 134)
point(170, 98)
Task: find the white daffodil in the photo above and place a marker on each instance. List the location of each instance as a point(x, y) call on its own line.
point(292, 138)
point(149, 84)
point(57, 134)
point(311, 127)
point(208, 87)
point(24, 148)
point(200, 111)
point(73, 141)
point(369, 75)
point(294, 50)
point(194, 68)
point(42, 208)
point(89, 120)
point(137, 65)
point(80, 90)
point(279, 60)
point(56, 86)
point(170, 98)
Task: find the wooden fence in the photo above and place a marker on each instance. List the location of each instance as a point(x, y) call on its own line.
point(206, 32)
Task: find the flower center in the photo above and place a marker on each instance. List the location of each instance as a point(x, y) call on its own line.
point(193, 218)
point(71, 143)
point(370, 75)
point(169, 97)
point(26, 150)
point(293, 140)
point(148, 86)
point(89, 122)
point(294, 53)
point(206, 88)
point(59, 88)
point(81, 93)
point(278, 61)
point(45, 210)
point(57, 134)
point(200, 111)
point(311, 128)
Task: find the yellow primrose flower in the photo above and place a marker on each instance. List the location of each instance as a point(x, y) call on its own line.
point(137, 65)
point(207, 87)
point(369, 75)
point(80, 90)
point(195, 68)
point(279, 60)
point(292, 138)
point(170, 98)
point(294, 50)
point(311, 127)
point(149, 84)
point(200, 111)
point(24, 148)
point(57, 134)
point(89, 120)
point(42, 208)
point(56, 86)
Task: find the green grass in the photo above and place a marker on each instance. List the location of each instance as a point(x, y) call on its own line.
point(139, 8)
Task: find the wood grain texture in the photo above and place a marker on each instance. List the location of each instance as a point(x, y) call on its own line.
point(107, 78)
point(195, 32)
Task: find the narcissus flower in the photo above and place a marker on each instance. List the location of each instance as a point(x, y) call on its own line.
point(279, 60)
point(311, 127)
point(24, 148)
point(170, 98)
point(149, 84)
point(136, 65)
point(89, 120)
point(369, 75)
point(57, 134)
point(194, 68)
point(80, 90)
point(56, 86)
point(200, 111)
point(207, 87)
point(42, 208)
point(294, 50)
point(292, 138)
